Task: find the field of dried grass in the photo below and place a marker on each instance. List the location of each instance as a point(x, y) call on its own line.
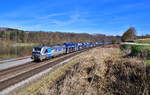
point(103, 71)
point(100, 71)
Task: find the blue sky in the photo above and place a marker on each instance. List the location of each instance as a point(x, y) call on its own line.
point(110, 17)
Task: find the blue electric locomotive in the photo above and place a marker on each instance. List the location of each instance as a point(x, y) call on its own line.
point(45, 52)
point(41, 53)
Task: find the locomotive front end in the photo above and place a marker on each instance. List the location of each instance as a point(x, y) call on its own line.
point(36, 53)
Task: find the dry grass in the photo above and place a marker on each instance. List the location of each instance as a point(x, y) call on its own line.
point(39, 86)
point(101, 71)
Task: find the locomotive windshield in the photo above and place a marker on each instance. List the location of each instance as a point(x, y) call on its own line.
point(37, 49)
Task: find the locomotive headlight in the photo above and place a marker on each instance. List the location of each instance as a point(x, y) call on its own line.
point(33, 50)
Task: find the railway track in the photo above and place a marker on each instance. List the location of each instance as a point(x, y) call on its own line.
point(24, 67)
point(13, 75)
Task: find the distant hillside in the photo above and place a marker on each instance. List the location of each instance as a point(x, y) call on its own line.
point(3, 29)
point(48, 38)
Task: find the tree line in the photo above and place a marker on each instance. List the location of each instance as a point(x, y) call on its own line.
point(48, 38)
point(51, 38)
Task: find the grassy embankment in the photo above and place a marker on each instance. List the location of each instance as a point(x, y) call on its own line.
point(26, 44)
point(147, 61)
point(13, 43)
point(101, 71)
point(13, 50)
point(145, 41)
point(139, 51)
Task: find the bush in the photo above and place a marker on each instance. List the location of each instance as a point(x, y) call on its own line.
point(125, 76)
point(137, 50)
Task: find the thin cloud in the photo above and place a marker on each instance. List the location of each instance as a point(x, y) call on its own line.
point(51, 15)
point(73, 19)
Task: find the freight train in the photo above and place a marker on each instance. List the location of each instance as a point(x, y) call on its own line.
point(41, 53)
